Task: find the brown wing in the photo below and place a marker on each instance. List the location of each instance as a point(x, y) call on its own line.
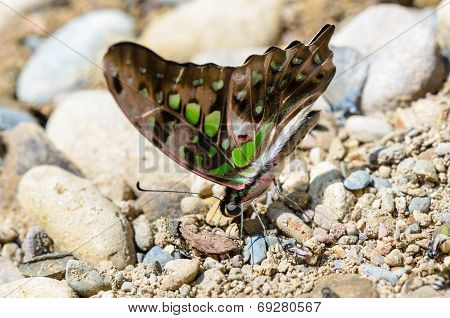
point(180, 108)
point(269, 90)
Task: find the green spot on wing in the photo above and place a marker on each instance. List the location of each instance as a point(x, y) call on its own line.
point(270, 89)
point(212, 123)
point(275, 66)
point(195, 139)
point(174, 101)
point(151, 122)
point(197, 82)
point(199, 160)
point(256, 77)
point(181, 152)
point(300, 77)
point(317, 59)
point(222, 169)
point(143, 92)
point(225, 143)
point(159, 97)
point(297, 61)
point(243, 155)
point(192, 113)
point(262, 133)
point(212, 151)
point(217, 85)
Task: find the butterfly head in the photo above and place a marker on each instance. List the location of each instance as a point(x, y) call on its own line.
point(232, 204)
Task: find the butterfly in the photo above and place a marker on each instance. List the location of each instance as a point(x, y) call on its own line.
point(230, 125)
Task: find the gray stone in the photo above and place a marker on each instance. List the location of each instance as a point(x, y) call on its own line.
point(389, 82)
point(8, 271)
point(367, 129)
point(425, 170)
point(380, 273)
point(51, 265)
point(157, 254)
point(127, 286)
point(193, 205)
point(388, 155)
point(76, 216)
point(324, 216)
point(419, 204)
point(84, 280)
point(257, 249)
point(443, 149)
point(379, 183)
point(63, 62)
point(357, 180)
point(11, 117)
point(344, 91)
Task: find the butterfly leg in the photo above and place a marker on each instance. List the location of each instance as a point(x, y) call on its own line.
point(259, 218)
point(279, 191)
point(242, 222)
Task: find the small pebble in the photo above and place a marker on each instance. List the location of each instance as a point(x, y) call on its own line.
point(257, 249)
point(357, 180)
point(157, 254)
point(127, 287)
point(419, 204)
point(380, 273)
point(83, 279)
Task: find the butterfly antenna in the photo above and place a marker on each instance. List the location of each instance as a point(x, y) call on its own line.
point(138, 186)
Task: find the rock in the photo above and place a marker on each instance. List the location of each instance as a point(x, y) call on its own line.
point(63, 63)
point(394, 258)
point(12, 251)
point(257, 249)
point(379, 273)
point(51, 265)
point(6, 14)
point(7, 234)
point(343, 286)
point(127, 287)
point(388, 155)
point(235, 274)
point(210, 280)
point(425, 170)
point(389, 82)
point(226, 56)
point(422, 113)
point(322, 175)
point(294, 176)
point(8, 271)
point(367, 129)
point(419, 204)
point(158, 255)
point(317, 155)
point(36, 243)
point(288, 223)
point(128, 158)
point(337, 150)
point(179, 272)
point(379, 183)
point(193, 205)
point(11, 117)
point(324, 216)
point(427, 292)
point(283, 266)
point(345, 90)
point(231, 28)
point(340, 200)
point(76, 216)
point(143, 234)
point(36, 287)
point(27, 146)
point(443, 149)
point(357, 180)
point(443, 27)
point(322, 235)
point(84, 280)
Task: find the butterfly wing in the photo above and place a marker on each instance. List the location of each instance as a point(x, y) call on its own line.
point(180, 108)
point(270, 96)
